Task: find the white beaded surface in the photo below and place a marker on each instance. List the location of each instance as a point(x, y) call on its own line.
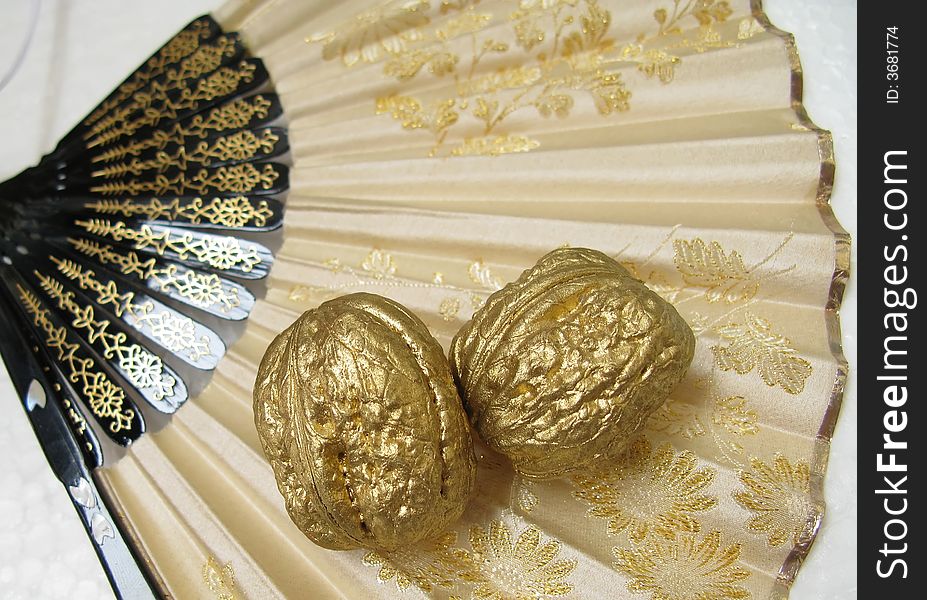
point(83, 48)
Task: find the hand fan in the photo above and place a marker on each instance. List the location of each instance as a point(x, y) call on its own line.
point(437, 150)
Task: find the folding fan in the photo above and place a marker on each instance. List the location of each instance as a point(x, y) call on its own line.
point(430, 151)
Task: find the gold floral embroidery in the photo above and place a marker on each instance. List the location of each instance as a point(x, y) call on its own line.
point(685, 569)
point(379, 269)
point(708, 265)
point(779, 496)
point(379, 31)
point(522, 495)
point(481, 275)
point(427, 565)
point(567, 46)
point(753, 344)
point(522, 570)
point(220, 579)
point(449, 308)
point(748, 28)
point(692, 421)
point(302, 293)
point(379, 264)
point(649, 491)
point(727, 420)
point(494, 146)
point(721, 272)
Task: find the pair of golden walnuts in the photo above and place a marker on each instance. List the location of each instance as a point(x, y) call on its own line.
point(360, 413)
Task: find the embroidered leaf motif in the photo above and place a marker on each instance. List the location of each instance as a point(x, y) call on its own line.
point(753, 344)
point(709, 266)
point(220, 579)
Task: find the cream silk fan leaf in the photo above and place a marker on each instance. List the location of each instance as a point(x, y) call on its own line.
point(435, 150)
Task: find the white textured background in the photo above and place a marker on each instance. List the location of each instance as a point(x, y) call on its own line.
point(83, 48)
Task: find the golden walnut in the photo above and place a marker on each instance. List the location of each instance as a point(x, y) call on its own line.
point(562, 366)
point(360, 419)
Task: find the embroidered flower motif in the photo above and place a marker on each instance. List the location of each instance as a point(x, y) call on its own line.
point(687, 569)
point(379, 264)
point(522, 570)
point(779, 497)
point(648, 492)
point(220, 579)
point(374, 33)
point(429, 564)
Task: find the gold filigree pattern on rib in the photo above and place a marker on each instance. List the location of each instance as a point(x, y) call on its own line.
point(205, 290)
point(221, 253)
point(754, 344)
point(201, 61)
point(77, 421)
point(566, 48)
point(180, 46)
point(234, 115)
point(238, 146)
point(142, 368)
point(236, 179)
point(220, 579)
point(649, 492)
point(175, 332)
point(434, 563)
point(778, 495)
point(221, 83)
point(687, 568)
point(225, 212)
point(523, 568)
point(104, 398)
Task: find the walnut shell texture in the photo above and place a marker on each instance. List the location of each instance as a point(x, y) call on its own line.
point(360, 419)
point(561, 367)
